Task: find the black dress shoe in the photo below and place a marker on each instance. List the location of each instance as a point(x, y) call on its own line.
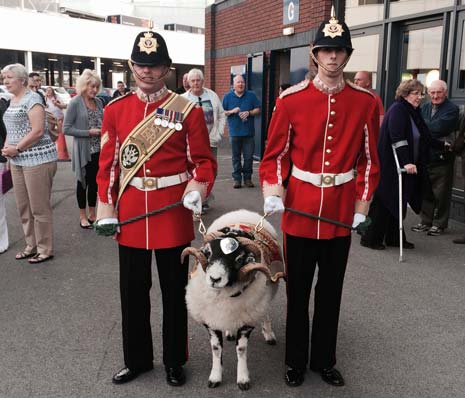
point(460, 241)
point(175, 376)
point(125, 375)
point(294, 377)
point(374, 246)
point(331, 376)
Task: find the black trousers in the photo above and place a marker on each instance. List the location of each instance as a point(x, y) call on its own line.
point(302, 257)
point(384, 227)
point(91, 184)
point(135, 284)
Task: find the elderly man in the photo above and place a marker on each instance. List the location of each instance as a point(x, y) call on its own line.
point(212, 110)
point(320, 131)
point(241, 106)
point(441, 117)
point(210, 103)
point(363, 79)
point(154, 156)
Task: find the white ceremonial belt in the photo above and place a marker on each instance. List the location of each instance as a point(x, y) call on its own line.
point(152, 183)
point(323, 179)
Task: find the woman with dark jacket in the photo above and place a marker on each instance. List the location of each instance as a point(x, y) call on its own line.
point(403, 129)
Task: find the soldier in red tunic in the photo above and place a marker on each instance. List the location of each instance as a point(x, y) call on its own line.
point(155, 153)
point(322, 136)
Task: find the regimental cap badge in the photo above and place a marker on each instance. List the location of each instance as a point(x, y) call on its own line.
point(333, 28)
point(148, 43)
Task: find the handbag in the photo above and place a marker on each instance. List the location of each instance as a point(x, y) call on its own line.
point(6, 181)
point(52, 124)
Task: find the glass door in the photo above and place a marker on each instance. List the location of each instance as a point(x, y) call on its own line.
point(421, 52)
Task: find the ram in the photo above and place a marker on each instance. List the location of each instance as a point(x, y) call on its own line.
point(241, 264)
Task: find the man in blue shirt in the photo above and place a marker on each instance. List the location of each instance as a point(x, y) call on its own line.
point(240, 107)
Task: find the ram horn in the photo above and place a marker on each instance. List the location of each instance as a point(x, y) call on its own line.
point(251, 245)
point(197, 254)
point(247, 269)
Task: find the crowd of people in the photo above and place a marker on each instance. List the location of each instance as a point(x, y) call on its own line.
point(150, 157)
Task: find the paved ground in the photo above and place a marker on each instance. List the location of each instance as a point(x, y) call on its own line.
point(401, 331)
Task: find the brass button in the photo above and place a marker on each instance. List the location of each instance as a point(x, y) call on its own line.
point(330, 137)
point(330, 125)
point(148, 171)
point(333, 100)
point(328, 151)
point(327, 163)
point(332, 113)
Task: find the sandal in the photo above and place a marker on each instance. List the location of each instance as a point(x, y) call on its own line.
point(25, 254)
point(39, 258)
point(86, 225)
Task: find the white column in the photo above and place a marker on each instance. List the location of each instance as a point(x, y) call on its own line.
point(98, 68)
point(28, 61)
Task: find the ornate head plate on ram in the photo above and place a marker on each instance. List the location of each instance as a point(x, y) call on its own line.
point(232, 289)
point(234, 249)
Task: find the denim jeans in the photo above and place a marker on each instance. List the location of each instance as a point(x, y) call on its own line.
point(242, 147)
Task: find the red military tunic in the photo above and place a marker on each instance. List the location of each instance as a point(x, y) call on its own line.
point(185, 150)
point(322, 133)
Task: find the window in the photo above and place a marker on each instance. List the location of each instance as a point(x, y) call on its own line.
point(421, 54)
point(363, 11)
point(364, 57)
point(400, 8)
point(461, 80)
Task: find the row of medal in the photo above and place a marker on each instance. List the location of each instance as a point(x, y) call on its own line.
point(168, 118)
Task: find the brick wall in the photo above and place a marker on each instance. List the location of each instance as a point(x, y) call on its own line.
point(251, 21)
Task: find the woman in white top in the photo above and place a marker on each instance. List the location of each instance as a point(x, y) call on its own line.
point(32, 156)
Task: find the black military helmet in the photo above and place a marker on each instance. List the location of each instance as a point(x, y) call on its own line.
point(150, 50)
point(333, 34)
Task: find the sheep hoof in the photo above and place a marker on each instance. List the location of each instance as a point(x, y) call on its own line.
point(213, 384)
point(244, 386)
point(271, 342)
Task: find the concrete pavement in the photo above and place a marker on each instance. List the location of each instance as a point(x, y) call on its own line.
point(401, 330)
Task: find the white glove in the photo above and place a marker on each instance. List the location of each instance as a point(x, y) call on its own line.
point(273, 204)
point(111, 226)
point(358, 219)
point(193, 201)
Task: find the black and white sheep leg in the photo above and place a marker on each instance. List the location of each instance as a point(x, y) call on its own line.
point(243, 379)
point(267, 331)
point(216, 343)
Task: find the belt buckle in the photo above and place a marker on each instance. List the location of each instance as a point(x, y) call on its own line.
point(327, 179)
point(149, 182)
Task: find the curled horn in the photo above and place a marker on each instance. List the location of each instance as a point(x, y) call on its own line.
point(197, 254)
point(247, 269)
point(249, 244)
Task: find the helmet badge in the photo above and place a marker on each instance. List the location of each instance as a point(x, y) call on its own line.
point(333, 28)
point(148, 43)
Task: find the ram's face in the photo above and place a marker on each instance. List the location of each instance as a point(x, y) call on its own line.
point(225, 256)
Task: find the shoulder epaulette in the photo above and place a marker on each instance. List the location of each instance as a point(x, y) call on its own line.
point(295, 88)
point(364, 90)
point(121, 97)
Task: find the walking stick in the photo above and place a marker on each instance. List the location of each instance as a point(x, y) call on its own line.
point(401, 227)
